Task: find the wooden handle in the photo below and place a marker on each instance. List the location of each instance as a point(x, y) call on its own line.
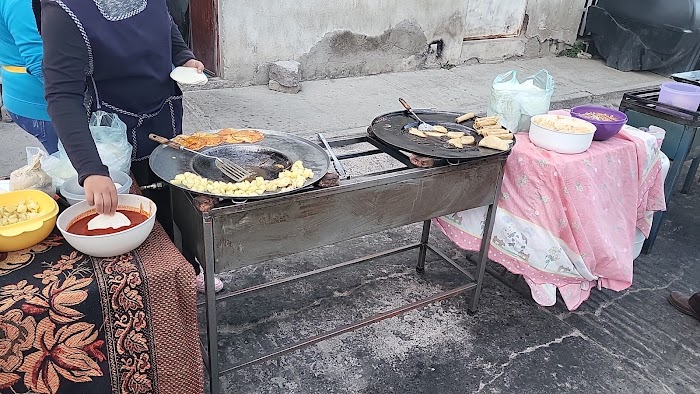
point(405, 104)
point(165, 141)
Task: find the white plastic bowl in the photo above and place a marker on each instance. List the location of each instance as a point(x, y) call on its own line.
point(560, 141)
point(74, 193)
point(112, 244)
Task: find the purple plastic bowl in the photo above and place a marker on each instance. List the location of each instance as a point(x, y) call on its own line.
point(604, 129)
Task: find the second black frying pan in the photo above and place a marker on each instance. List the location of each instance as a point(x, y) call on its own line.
point(392, 129)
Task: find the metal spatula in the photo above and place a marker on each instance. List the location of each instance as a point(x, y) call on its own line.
point(422, 126)
point(232, 170)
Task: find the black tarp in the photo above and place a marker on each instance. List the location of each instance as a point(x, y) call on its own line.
point(653, 35)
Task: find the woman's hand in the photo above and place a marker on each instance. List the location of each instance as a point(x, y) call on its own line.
point(101, 193)
point(194, 63)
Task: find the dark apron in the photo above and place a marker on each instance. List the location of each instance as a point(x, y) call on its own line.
point(130, 59)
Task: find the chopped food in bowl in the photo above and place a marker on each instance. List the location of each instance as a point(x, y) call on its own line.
point(26, 218)
point(608, 122)
point(561, 134)
point(108, 242)
point(599, 116)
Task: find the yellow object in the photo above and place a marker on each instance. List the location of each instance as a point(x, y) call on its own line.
point(15, 69)
point(28, 233)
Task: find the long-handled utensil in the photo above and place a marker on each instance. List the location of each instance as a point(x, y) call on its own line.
point(422, 126)
point(232, 170)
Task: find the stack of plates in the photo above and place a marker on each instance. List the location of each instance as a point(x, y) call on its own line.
point(188, 76)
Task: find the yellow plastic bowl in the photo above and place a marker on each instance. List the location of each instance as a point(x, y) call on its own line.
point(26, 234)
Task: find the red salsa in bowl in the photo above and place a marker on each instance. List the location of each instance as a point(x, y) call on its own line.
point(80, 226)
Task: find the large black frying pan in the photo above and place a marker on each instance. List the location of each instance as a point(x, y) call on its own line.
point(392, 129)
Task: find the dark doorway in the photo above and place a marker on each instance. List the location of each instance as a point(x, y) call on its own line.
point(204, 32)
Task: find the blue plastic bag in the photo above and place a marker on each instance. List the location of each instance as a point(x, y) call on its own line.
point(517, 102)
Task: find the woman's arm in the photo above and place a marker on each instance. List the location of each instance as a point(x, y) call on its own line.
point(65, 68)
point(20, 21)
point(181, 52)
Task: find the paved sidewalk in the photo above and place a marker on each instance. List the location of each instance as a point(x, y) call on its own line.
point(338, 106)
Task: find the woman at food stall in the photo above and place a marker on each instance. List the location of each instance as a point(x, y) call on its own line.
point(114, 56)
point(20, 69)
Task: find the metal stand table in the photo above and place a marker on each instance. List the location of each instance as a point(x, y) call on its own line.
point(680, 144)
point(235, 235)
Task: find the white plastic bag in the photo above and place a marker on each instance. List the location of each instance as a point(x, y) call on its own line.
point(517, 102)
point(109, 133)
point(32, 176)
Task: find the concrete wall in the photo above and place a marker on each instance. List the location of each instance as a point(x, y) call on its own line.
point(341, 38)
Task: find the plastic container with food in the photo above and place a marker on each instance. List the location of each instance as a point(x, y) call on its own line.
point(608, 122)
point(561, 134)
point(72, 224)
point(26, 218)
point(74, 193)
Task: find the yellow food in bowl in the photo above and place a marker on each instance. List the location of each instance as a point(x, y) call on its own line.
point(564, 124)
point(30, 216)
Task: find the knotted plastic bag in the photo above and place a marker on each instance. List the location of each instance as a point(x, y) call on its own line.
point(517, 102)
point(109, 134)
point(32, 176)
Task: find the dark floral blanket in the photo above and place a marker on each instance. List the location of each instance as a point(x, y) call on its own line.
point(71, 323)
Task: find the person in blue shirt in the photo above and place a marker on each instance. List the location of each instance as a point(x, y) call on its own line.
point(20, 68)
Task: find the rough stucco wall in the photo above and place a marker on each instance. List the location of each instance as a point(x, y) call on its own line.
point(341, 38)
point(552, 22)
point(258, 32)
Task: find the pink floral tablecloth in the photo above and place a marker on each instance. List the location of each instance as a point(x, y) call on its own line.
point(568, 222)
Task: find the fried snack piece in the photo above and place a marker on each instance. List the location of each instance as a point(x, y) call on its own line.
point(467, 140)
point(192, 142)
point(227, 131)
point(440, 129)
point(506, 137)
point(493, 142)
point(456, 142)
point(482, 122)
point(231, 139)
point(488, 132)
point(229, 136)
point(416, 132)
point(492, 127)
point(434, 134)
point(211, 139)
point(249, 136)
point(455, 134)
point(465, 117)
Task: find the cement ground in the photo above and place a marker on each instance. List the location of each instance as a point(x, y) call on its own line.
point(627, 342)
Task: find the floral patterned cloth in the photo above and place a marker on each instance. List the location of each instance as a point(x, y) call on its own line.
point(568, 222)
point(71, 323)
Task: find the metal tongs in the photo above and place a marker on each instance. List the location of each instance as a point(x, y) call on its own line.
point(232, 170)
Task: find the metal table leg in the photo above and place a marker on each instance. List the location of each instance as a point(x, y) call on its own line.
point(691, 176)
point(423, 250)
point(484, 249)
point(210, 293)
point(673, 174)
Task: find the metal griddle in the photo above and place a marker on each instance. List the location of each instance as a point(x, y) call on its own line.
point(392, 129)
point(267, 158)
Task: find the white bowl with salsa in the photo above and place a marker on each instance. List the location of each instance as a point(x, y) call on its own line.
point(72, 224)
